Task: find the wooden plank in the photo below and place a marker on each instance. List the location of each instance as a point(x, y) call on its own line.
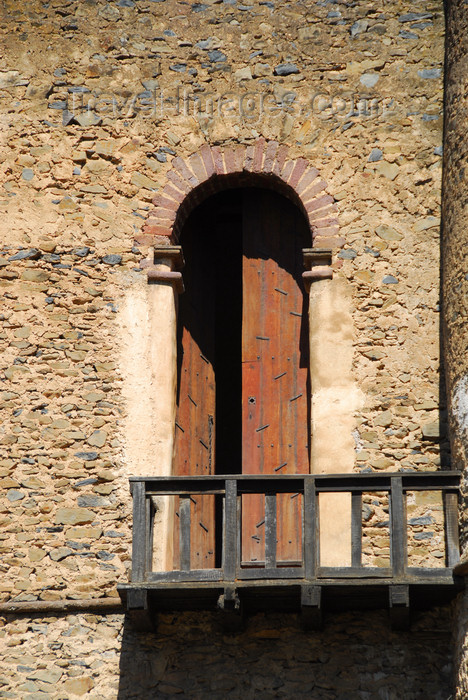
point(421, 573)
point(195, 428)
point(203, 531)
point(356, 529)
point(361, 572)
point(289, 527)
point(239, 529)
point(255, 345)
point(139, 533)
point(296, 406)
point(325, 577)
point(101, 606)
point(253, 531)
point(230, 531)
point(175, 536)
point(275, 367)
point(366, 481)
point(149, 534)
point(398, 530)
point(270, 531)
point(184, 532)
point(281, 572)
point(198, 575)
point(265, 245)
point(253, 528)
point(311, 530)
point(421, 481)
point(261, 564)
point(199, 489)
point(452, 543)
point(252, 416)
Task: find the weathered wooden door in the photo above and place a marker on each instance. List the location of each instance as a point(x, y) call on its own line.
point(243, 362)
point(208, 419)
point(274, 367)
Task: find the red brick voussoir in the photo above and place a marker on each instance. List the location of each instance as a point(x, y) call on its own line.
point(213, 169)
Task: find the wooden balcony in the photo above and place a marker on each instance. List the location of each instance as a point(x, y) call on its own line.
point(305, 585)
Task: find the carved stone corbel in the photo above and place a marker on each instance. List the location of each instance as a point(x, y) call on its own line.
point(164, 264)
point(317, 262)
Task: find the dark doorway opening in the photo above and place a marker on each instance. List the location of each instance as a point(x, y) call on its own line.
point(209, 336)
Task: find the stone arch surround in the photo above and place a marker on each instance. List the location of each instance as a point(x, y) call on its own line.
point(265, 163)
point(334, 394)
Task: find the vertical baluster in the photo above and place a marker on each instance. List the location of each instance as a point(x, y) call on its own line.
point(451, 528)
point(149, 534)
point(398, 534)
point(356, 529)
point(311, 531)
point(270, 530)
point(139, 534)
point(184, 532)
point(230, 530)
point(239, 530)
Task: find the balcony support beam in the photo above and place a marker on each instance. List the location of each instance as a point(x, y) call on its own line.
point(399, 609)
point(138, 610)
point(230, 604)
point(311, 607)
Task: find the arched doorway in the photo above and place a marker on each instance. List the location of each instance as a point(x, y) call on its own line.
point(243, 395)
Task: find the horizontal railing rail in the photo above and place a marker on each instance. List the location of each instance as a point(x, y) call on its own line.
point(230, 489)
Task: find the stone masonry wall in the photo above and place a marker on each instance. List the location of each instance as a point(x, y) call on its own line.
point(356, 658)
point(75, 197)
point(455, 280)
point(96, 100)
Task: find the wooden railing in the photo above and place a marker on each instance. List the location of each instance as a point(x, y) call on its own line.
point(229, 491)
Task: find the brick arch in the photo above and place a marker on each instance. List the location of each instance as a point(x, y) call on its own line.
point(265, 164)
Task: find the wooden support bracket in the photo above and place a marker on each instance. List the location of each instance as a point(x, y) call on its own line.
point(311, 607)
point(229, 602)
point(399, 609)
point(139, 611)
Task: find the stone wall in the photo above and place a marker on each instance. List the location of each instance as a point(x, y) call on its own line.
point(77, 187)
point(100, 657)
point(454, 287)
point(97, 99)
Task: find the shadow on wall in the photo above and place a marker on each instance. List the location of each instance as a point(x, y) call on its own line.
point(356, 657)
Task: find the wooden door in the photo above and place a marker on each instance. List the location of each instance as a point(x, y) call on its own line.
point(196, 392)
point(274, 366)
point(242, 401)
point(208, 418)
